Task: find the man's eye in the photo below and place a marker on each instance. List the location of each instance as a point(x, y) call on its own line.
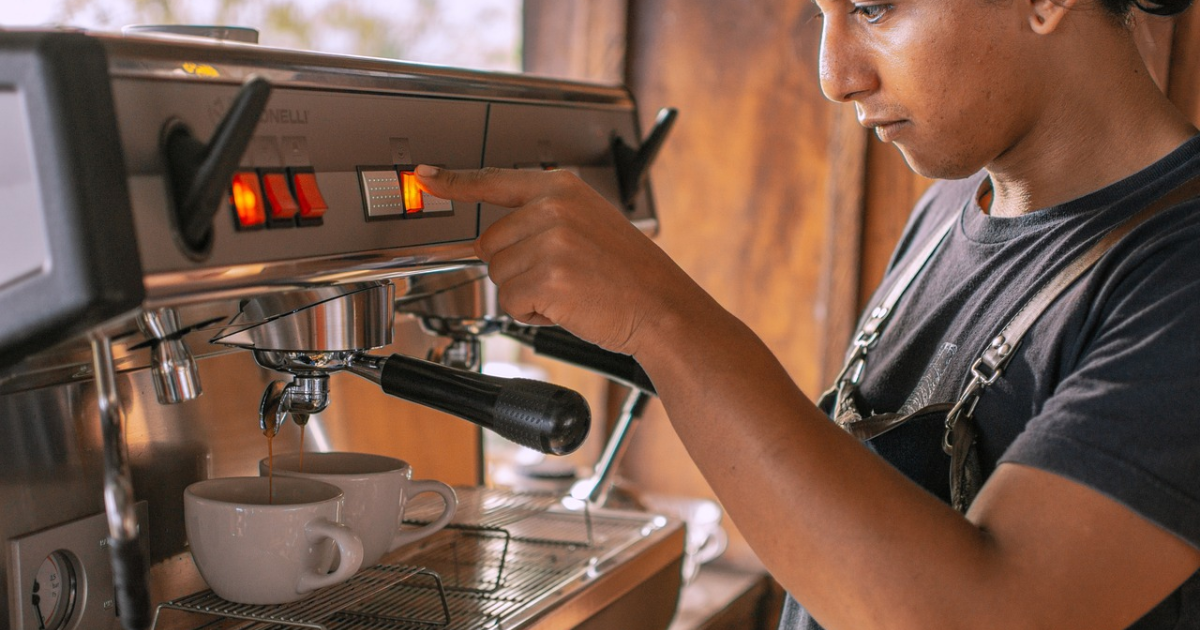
point(812, 13)
point(871, 12)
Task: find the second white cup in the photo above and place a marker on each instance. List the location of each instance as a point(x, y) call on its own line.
point(376, 488)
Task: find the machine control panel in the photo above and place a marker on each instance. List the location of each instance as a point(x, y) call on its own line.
point(271, 168)
point(322, 175)
point(318, 181)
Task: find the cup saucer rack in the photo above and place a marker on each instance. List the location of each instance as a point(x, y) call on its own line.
point(494, 563)
point(351, 604)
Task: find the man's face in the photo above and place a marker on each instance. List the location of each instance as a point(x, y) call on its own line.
point(945, 80)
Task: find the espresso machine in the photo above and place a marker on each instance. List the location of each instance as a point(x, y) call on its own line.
point(206, 241)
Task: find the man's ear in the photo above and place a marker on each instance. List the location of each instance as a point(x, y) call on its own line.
point(1046, 15)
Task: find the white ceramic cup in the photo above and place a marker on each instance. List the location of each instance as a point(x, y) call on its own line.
point(706, 539)
point(255, 550)
point(376, 489)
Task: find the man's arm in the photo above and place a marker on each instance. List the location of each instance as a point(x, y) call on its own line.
point(852, 539)
point(863, 547)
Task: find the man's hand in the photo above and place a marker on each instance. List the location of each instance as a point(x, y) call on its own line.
point(566, 256)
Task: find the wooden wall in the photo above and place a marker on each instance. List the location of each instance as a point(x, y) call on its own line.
point(773, 198)
point(741, 183)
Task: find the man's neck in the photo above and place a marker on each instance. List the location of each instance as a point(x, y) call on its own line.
point(1098, 134)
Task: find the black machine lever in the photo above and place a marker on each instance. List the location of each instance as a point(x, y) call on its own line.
point(633, 164)
point(200, 173)
point(535, 414)
point(554, 342)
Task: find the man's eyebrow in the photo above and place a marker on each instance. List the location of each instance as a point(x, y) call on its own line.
point(816, 4)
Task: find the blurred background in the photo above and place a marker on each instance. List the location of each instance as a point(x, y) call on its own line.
point(415, 30)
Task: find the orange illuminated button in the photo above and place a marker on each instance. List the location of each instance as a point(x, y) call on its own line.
point(417, 199)
point(247, 201)
point(312, 203)
point(282, 204)
point(414, 197)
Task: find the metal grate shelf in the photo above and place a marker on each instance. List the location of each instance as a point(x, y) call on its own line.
point(498, 559)
point(314, 611)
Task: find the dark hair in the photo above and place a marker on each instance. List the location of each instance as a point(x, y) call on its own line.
point(1155, 7)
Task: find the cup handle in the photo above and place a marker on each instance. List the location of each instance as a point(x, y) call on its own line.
point(350, 555)
point(405, 536)
point(713, 546)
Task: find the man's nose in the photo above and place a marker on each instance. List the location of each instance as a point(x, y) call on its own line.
point(845, 67)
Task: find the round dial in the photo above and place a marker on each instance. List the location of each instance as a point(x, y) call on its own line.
point(54, 591)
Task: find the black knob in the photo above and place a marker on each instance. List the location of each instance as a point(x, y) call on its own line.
point(200, 173)
point(633, 164)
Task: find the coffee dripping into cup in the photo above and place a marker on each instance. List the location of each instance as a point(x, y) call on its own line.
point(313, 333)
point(258, 546)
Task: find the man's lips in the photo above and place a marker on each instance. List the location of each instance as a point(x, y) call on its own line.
point(885, 128)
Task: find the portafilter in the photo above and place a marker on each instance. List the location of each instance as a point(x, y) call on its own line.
point(312, 333)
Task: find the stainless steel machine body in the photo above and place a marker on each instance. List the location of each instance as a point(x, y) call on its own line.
point(141, 314)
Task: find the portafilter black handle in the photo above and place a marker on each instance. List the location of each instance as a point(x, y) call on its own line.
point(536, 414)
point(557, 343)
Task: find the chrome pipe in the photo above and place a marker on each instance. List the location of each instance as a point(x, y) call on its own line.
point(131, 576)
point(595, 489)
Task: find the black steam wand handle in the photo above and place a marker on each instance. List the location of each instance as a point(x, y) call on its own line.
point(557, 343)
point(200, 173)
point(634, 164)
point(131, 583)
point(535, 414)
point(131, 570)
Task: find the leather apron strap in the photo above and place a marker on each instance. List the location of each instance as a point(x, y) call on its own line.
point(959, 439)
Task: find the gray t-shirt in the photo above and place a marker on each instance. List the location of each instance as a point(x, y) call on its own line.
point(1101, 390)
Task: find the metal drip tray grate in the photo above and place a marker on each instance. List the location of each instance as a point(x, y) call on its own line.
point(314, 611)
point(530, 517)
point(504, 559)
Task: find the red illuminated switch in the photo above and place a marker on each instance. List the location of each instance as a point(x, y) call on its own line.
point(247, 201)
point(416, 199)
point(281, 205)
point(308, 195)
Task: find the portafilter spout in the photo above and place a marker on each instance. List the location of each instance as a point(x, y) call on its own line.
point(311, 334)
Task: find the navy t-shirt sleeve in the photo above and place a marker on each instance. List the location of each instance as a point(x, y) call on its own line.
point(1126, 419)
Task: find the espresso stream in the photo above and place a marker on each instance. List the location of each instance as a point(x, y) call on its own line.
point(270, 466)
point(271, 462)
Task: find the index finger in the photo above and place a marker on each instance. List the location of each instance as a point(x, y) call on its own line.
point(509, 188)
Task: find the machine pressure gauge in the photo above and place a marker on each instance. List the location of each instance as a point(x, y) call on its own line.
point(53, 592)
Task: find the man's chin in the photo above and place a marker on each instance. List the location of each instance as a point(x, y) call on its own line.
point(938, 166)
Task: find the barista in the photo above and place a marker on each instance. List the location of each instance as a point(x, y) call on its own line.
point(1044, 122)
